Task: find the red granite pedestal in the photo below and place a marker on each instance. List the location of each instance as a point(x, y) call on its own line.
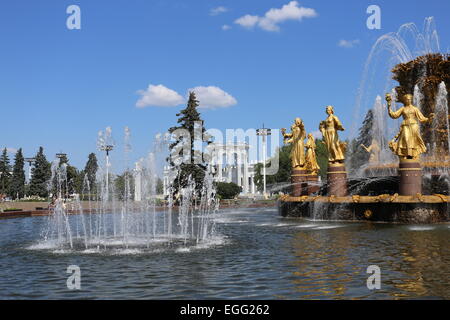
point(410, 173)
point(337, 180)
point(299, 179)
point(313, 183)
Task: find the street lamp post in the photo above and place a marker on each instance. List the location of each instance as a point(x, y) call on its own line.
point(264, 132)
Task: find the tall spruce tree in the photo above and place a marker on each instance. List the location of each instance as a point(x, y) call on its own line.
point(17, 189)
point(5, 173)
point(359, 156)
point(71, 175)
point(192, 164)
point(91, 170)
point(40, 175)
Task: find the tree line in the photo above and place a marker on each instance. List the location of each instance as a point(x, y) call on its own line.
point(13, 182)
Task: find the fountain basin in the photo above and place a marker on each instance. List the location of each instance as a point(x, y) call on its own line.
point(381, 208)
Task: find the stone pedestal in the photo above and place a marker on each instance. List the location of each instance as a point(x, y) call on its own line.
point(337, 180)
point(299, 179)
point(410, 173)
point(313, 184)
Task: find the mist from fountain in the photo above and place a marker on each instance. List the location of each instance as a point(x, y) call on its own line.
point(389, 50)
point(441, 121)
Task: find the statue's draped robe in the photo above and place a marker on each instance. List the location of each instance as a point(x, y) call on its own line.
point(330, 135)
point(408, 142)
point(311, 160)
point(297, 138)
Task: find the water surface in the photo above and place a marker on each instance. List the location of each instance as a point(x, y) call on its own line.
point(255, 254)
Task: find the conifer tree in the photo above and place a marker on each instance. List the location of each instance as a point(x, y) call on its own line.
point(17, 189)
point(193, 163)
point(91, 170)
point(359, 156)
point(71, 176)
point(40, 175)
point(5, 173)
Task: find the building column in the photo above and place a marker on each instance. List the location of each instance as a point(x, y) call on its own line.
point(239, 170)
point(246, 171)
point(252, 184)
point(219, 166)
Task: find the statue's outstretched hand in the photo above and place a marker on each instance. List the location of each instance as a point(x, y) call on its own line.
point(388, 98)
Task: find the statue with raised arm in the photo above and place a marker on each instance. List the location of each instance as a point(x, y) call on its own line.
point(310, 159)
point(373, 150)
point(408, 143)
point(296, 138)
point(329, 128)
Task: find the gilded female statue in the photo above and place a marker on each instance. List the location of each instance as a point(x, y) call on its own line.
point(408, 143)
point(296, 137)
point(310, 159)
point(329, 128)
point(374, 151)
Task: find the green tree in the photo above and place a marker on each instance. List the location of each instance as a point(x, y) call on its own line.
point(358, 156)
point(227, 190)
point(159, 186)
point(5, 173)
point(91, 170)
point(192, 164)
point(71, 175)
point(124, 185)
point(17, 189)
point(283, 176)
point(322, 158)
point(40, 175)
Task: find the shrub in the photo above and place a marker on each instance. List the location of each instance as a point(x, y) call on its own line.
point(227, 190)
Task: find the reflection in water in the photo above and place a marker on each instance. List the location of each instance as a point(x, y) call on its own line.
point(413, 264)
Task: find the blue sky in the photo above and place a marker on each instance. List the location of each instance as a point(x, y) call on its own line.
point(59, 87)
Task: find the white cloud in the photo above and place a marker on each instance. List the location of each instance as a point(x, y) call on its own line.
point(273, 17)
point(212, 97)
point(226, 27)
point(247, 21)
point(217, 11)
point(348, 43)
point(159, 96)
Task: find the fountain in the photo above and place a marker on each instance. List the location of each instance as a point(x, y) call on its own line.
point(405, 174)
point(112, 221)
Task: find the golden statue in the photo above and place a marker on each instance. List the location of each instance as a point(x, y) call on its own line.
point(311, 160)
point(408, 143)
point(296, 137)
point(374, 151)
point(329, 128)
